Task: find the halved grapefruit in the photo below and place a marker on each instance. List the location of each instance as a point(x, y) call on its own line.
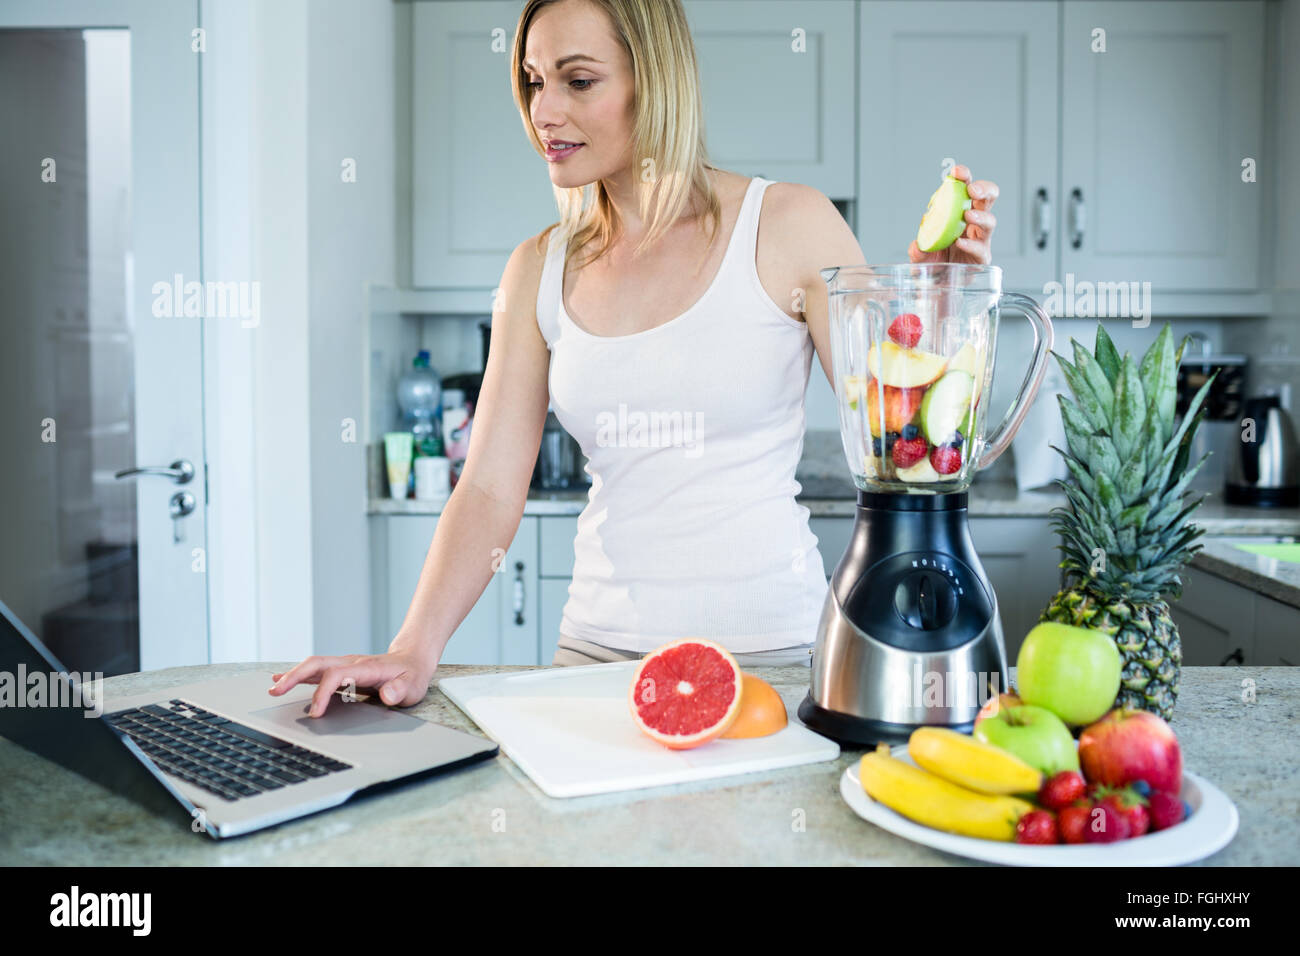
point(686, 692)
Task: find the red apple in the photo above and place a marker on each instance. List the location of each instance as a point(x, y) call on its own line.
point(995, 704)
point(901, 405)
point(1128, 745)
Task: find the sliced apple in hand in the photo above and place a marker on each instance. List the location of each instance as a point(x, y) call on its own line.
point(944, 218)
point(900, 406)
point(904, 368)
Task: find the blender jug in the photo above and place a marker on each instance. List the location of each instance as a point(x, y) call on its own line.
point(913, 349)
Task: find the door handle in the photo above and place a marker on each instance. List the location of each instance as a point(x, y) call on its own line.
point(1042, 219)
point(1077, 218)
point(519, 594)
point(179, 471)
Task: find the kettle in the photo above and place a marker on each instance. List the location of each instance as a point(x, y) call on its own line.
point(1264, 471)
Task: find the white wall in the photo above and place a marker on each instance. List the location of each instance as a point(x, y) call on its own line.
point(353, 238)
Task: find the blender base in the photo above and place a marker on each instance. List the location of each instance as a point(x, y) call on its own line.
point(859, 732)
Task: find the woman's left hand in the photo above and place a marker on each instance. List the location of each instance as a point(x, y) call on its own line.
point(974, 245)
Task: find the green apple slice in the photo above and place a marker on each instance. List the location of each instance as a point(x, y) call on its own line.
point(943, 222)
point(968, 360)
point(945, 405)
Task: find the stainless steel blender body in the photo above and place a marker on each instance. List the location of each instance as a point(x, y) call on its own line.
point(909, 634)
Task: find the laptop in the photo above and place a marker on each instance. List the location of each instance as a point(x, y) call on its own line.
point(221, 755)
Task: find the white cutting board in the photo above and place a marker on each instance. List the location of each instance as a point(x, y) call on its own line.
point(571, 731)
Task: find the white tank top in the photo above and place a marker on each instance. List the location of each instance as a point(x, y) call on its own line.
point(692, 431)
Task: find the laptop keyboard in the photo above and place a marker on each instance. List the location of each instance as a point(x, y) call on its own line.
point(218, 754)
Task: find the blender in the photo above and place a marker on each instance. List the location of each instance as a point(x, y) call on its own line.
point(910, 635)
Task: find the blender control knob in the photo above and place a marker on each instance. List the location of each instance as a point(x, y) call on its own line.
point(926, 600)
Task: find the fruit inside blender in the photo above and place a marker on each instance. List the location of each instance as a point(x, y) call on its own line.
point(917, 407)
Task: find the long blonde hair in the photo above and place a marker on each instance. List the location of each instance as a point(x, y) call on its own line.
point(668, 132)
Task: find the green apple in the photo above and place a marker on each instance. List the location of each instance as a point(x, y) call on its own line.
point(1072, 671)
point(1034, 734)
point(972, 362)
point(904, 368)
point(944, 216)
point(946, 405)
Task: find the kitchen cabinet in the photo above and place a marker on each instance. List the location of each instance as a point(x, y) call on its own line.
point(1215, 618)
point(971, 83)
point(478, 187)
point(1277, 633)
point(1147, 184)
point(501, 628)
point(777, 84)
point(1154, 131)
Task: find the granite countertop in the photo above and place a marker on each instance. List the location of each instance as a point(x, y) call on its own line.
point(1279, 580)
point(491, 814)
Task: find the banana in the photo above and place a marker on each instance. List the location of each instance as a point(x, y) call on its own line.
point(971, 763)
point(934, 802)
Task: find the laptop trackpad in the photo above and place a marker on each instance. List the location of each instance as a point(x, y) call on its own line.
point(341, 719)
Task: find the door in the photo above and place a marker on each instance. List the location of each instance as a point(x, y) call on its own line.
point(777, 84)
point(478, 187)
point(1162, 104)
point(100, 361)
point(974, 83)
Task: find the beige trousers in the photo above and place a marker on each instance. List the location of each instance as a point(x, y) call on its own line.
point(571, 651)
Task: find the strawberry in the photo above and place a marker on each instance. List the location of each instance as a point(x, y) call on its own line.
point(1039, 827)
point(1131, 805)
point(908, 451)
point(1060, 790)
point(1166, 810)
point(1105, 825)
point(906, 330)
point(945, 459)
point(1073, 820)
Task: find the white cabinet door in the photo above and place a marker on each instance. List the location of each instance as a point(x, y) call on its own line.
point(1154, 133)
point(1020, 558)
point(552, 593)
point(516, 584)
point(832, 540)
point(478, 186)
point(972, 82)
point(777, 85)
point(1215, 619)
point(477, 640)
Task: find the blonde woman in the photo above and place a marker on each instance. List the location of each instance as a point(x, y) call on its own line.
point(671, 317)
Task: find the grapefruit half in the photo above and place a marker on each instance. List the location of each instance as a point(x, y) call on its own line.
point(686, 693)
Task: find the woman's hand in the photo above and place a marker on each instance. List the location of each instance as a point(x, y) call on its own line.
point(402, 677)
point(975, 244)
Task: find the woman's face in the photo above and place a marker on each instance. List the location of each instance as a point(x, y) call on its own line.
point(588, 99)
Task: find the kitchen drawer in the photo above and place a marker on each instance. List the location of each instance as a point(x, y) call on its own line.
point(555, 546)
point(1215, 619)
point(1277, 633)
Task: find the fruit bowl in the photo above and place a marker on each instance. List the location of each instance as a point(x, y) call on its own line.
point(1210, 828)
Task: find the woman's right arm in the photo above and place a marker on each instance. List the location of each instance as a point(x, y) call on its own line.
point(480, 518)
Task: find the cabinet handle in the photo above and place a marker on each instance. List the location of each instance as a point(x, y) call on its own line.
point(1236, 657)
point(1042, 218)
point(519, 593)
point(1077, 218)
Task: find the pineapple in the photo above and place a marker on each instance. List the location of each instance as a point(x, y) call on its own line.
point(1126, 531)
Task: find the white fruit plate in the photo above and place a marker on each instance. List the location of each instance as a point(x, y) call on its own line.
point(1210, 828)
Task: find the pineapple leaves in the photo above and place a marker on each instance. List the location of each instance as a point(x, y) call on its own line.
point(1159, 375)
point(1084, 396)
point(1095, 377)
point(1130, 412)
point(1107, 355)
point(1108, 495)
point(1101, 457)
point(1077, 427)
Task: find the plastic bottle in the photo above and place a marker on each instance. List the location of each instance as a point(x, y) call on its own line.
point(418, 394)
